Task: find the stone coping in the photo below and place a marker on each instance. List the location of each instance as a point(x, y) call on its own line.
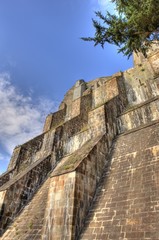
point(92, 82)
point(139, 128)
point(22, 174)
point(6, 173)
point(132, 108)
point(106, 78)
point(32, 139)
point(71, 162)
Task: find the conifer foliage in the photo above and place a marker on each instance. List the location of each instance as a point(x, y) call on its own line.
point(133, 27)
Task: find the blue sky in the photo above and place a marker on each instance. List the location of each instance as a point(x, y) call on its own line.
point(41, 57)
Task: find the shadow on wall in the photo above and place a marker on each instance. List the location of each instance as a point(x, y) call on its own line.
point(90, 221)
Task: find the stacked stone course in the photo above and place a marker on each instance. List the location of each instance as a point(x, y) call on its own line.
point(126, 202)
point(93, 172)
point(28, 224)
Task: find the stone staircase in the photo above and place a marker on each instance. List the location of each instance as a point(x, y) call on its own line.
point(26, 200)
point(29, 222)
point(126, 204)
point(19, 190)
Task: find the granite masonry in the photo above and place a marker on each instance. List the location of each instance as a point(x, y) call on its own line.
point(94, 171)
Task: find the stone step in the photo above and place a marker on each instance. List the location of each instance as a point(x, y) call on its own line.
point(18, 191)
point(28, 224)
point(133, 107)
point(126, 201)
point(139, 115)
point(146, 125)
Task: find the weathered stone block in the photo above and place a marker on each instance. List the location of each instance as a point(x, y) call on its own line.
point(48, 123)
point(79, 88)
point(100, 188)
point(154, 61)
point(76, 108)
point(14, 158)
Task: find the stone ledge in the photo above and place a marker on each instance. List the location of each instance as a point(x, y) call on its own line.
point(5, 173)
point(71, 162)
point(92, 82)
point(139, 128)
point(15, 194)
point(132, 108)
point(32, 139)
point(22, 174)
point(5, 177)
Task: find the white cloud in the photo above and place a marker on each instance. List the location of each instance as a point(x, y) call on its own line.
point(103, 5)
point(20, 118)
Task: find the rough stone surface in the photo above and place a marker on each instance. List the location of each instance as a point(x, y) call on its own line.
point(93, 172)
point(140, 114)
point(28, 225)
point(104, 91)
point(6, 177)
point(18, 191)
point(126, 203)
point(80, 87)
point(76, 177)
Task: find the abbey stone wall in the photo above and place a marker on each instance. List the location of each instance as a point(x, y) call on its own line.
point(92, 173)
